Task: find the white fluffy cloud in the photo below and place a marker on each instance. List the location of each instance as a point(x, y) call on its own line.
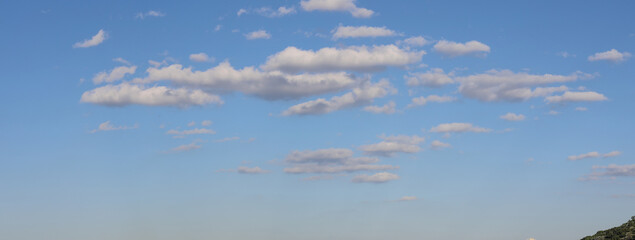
point(577, 97)
point(391, 145)
point(611, 154)
point(381, 177)
point(151, 13)
point(107, 126)
point(331, 160)
point(458, 128)
point(453, 49)
point(251, 170)
point(362, 95)
point(272, 85)
point(128, 94)
point(421, 101)
point(354, 58)
point(199, 57)
point(610, 55)
point(336, 5)
point(361, 31)
point(388, 108)
point(260, 34)
point(611, 171)
point(513, 117)
point(115, 74)
point(505, 85)
point(93, 41)
point(268, 12)
point(433, 78)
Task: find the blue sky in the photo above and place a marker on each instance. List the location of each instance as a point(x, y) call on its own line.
point(316, 119)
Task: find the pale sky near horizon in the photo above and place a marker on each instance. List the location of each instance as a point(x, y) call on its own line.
point(316, 119)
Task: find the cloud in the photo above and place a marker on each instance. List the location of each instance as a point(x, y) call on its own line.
point(610, 55)
point(505, 85)
point(227, 139)
point(200, 57)
point(388, 108)
point(94, 41)
point(583, 156)
point(362, 95)
point(611, 171)
point(121, 60)
point(150, 13)
point(128, 94)
point(206, 123)
point(107, 126)
point(268, 12)
point(260, 34)
point(513, 117)
point(436, 145)
point(433, 78)
point(458, 128)
point(191, 124)
point(186, 147)
point(196, 131)
point(336, 5)
point(331, 160)
point(581, 109)
point(252, 170)
point(577, 97)
point(361, 31)
point(611, 154)
point(115, 74)
point(454, 49)
point(417, 41)
point(381, 177)
point(273, 85)
point(218, 27)
point(407, 198)
point(391, 145)
point(421, 101)
point(354, 58)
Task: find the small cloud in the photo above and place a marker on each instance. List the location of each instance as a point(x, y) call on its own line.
point(227, 139)
point(121, 60)
point(576, 97)
point(459, 128)
point(388, 108)
point(581, 109)
point(191, 124)
point(513, 117)
point(610, 55)
point(260, 34)
point(611, 154)
point(93, 41)
point(407, 198)
point(107, 126)
point(454, 49)
point(381, 177)
point(218, 27)
point(252, 170)
point(241, 12)
point(418, 41)
point(200, 57)
point(553, 112)
point(191, 132)
point(150, 13)
point(186, 147)
point(436, 145)
point(565, 54)
point(206, 123)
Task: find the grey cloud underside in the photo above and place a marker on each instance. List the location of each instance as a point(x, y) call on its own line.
point(331, 160)
point(273, 85)
point(392, 145)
